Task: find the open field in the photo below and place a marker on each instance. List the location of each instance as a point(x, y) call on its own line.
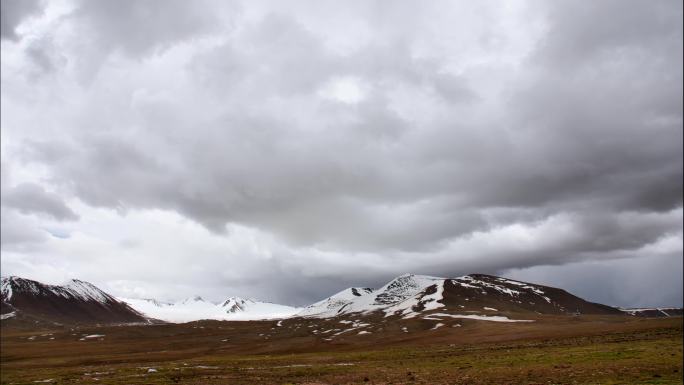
point(552, 350)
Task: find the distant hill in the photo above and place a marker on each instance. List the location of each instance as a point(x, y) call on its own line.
point(75, 302)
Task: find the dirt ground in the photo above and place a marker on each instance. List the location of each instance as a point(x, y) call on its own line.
point(551, 350)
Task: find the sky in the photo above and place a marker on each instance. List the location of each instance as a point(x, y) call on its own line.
point(284, 151)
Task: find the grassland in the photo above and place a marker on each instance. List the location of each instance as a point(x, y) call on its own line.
point(561, 350)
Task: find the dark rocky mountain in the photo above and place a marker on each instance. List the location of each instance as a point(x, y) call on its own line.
point(76, 302)
point(479, 290)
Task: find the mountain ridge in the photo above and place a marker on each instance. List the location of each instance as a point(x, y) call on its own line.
point(74, 302)
point(478, 296)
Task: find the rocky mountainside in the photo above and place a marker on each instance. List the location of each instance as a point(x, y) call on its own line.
point(409, 295)
point(75, 302)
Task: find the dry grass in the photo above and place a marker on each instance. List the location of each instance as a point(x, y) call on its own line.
point(553, 350)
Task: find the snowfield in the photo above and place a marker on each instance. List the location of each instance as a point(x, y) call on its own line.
point(193, 309)
point(397, 296)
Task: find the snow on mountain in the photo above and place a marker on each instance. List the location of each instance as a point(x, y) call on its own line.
point(6, 288)
point(406, 296)
point(397, 296)
point(333, 304)
point(75, 301)
point(410, 295)
point(73, 289)
point(86, 291)
point(196, 308)
point(193, 300)
point(654, 311)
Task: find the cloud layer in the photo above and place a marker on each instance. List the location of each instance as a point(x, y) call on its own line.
point(249, 143)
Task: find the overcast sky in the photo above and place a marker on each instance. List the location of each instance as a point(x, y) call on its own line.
point(287, 150)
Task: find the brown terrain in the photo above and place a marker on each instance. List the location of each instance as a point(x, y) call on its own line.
point(553, 349)
point(481, 335)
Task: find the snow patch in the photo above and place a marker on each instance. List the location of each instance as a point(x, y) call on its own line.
point(8, 315)
point(480, 317)
point(91, 336)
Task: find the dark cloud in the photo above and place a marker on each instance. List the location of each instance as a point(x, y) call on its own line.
point(580, 34)
point(17, 232)
point(13, 12)
point(29, 198)
point(140, 27)
point(442, 140)
point(642, 281)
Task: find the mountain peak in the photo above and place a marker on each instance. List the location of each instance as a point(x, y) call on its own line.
point(14, 284)
point(87, 291)
point(236, 300)
point(75, 301)
point(195, 298)
point(236, 304)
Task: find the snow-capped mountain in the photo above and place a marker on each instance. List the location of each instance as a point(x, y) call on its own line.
point(332, 305)
point(390, 297)
point(476, 296)
point(196, 308)
point(76, 301)
point(409, 295)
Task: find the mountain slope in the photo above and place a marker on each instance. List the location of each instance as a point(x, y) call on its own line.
point(333, 304)
point(75, 302)
point(409, 295)
point(196, 308)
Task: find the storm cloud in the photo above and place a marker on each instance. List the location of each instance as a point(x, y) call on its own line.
point(285, 152)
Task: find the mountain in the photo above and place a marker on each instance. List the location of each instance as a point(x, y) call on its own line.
point(196, 308)
point(75, 302)
point(331, 305)
point(410, 295)
point(475, 296)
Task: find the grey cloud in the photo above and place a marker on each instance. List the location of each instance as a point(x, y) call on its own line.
point(579, 33)
point(30, 198)
point(101, 29)
point(139, 27)
point(582, 131)
point(557, 146)
point(13, 12)
point(643, 281)
point(17, 233)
